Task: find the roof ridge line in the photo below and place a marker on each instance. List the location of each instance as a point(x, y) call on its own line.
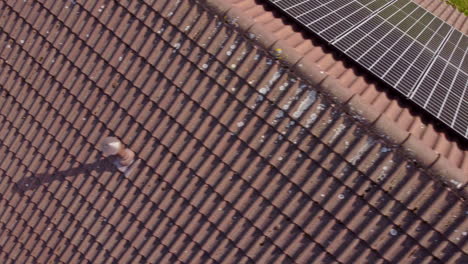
point(438, 166)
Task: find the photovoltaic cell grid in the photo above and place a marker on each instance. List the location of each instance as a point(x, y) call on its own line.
point(404, 45)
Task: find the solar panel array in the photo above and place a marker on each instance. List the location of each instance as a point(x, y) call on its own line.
point(406, 46)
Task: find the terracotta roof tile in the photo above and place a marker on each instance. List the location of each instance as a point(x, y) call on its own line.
point(241, 160)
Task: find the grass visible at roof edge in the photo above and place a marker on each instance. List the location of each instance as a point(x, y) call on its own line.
point(462, 5)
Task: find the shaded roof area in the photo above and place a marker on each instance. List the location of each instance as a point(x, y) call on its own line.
point(368, 89)
point(241, 160)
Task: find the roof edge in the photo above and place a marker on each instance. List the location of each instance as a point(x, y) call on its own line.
point(434, 163)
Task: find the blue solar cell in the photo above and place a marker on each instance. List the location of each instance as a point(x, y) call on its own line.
point(455, 37)
point(424, 59)
point(376, 5)
point(395, 73)
point(418, 13)
point(435, 42)
point(406, 24)
point(359, 15)
point(448, 76)
point(336, 30)
point(435, 101)
point(435, 24)
point(289, 3)
point(408, 80)
point(347, 10)
point(456, 95)
point(387, 12)
point(326, 21)
point(409, 8)
point(303, 8)
point(413, 51)
point(335, 5)
point(464, 64)
point(397, 17)
point(402, 45)
point(415, 31)
point(400, 3)
point(386, 61)
point(437, 67)
point(376, 52)
point(461, 118)
point(447, 50)
point(380, 31)
point(362, 46)
point(425, 36)
point(422, 93)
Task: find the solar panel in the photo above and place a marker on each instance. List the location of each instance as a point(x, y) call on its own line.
point(404, 45)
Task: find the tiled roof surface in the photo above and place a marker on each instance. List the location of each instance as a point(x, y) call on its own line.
point(351, 77)
point(241, 161)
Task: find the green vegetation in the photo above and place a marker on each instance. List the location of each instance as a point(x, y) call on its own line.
point(462, 5)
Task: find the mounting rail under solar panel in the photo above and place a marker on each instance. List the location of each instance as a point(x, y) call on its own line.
point(418, 54)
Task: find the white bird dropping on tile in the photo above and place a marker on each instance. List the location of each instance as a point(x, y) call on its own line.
point(240, 124)
point(385, 149)
point(340, 196)
point(263, 90)
point(393, 232)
